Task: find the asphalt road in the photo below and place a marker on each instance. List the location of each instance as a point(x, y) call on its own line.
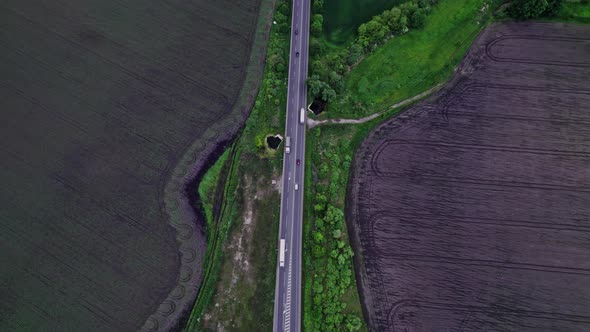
point(287, 308)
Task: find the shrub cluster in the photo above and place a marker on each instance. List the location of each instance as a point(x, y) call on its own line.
point(274, 83)
point(526, 9)
point(328, 70)
point(330, 256)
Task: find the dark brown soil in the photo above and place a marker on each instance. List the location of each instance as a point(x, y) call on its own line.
point(471, 211)
point(109, 109)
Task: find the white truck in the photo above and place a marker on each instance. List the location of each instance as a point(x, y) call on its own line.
point(282, 253)
point(288, 144)
point(302, 116)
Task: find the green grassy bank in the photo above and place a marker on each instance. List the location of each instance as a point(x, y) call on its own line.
point(414, 62)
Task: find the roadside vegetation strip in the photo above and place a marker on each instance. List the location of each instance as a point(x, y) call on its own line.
point(216, 230)
point(208, 187)
point(250, 159)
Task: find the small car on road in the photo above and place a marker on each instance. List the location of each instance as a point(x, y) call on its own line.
point(298, 162)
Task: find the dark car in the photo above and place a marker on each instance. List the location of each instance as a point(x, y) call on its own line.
point(296, 32)
point(298, 162)
point(297, 54)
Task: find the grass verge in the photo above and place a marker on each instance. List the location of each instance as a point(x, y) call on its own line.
point(241, 299)
point(414, 62)
point(208, 187)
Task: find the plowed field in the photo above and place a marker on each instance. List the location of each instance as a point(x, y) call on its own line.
point(109, 108)
point(471, 210)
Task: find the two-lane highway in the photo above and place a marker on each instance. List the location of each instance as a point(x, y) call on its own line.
point(287, 306)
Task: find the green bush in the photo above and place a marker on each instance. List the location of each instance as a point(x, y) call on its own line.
point(527, 9)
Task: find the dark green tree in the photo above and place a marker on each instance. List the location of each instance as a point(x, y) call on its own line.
point(354, 53)
point(525, 9)
point(317, 22)
point(417, 19)
point(318, 5)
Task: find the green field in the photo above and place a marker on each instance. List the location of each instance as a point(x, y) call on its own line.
point(414, 62)
point(342, 18)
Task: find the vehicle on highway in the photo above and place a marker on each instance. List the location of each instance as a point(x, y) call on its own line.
point(297, 54)
point(296, 186)
point(302, 116)
point(288, 144)
point(282, 253)
point(296, 32)
point(298, 162)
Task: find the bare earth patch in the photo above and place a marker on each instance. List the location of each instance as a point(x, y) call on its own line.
point(238, 277)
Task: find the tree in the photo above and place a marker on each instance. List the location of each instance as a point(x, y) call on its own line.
point(318, 237)
point(336, 81)
point(314, 84)
point(553, 7)
point(525, 9)
point(318, 251)
point(337, 234)
point(374, 31)
point(408, 8)
point(315, 47)
point(417, 19)
point(392, 19)
point(321, 198)
point(318, 208)
point(316, 24)
point(318, 5)
point(319, 224)
point(352, 323)
point(328, 94)
point(354, 53)
point(320, 88)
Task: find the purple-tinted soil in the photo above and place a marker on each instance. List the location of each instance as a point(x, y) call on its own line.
point(472, 211)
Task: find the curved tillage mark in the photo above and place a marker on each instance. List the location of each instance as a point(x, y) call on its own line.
point(184, 232)
point(178, 292)
point(489, 52)
point(186, 273)
point(188, 255)
point(151, 325)
point(167, 308)
point(395, 314)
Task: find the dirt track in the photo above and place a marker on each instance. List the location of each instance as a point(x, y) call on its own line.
point(472, 212)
